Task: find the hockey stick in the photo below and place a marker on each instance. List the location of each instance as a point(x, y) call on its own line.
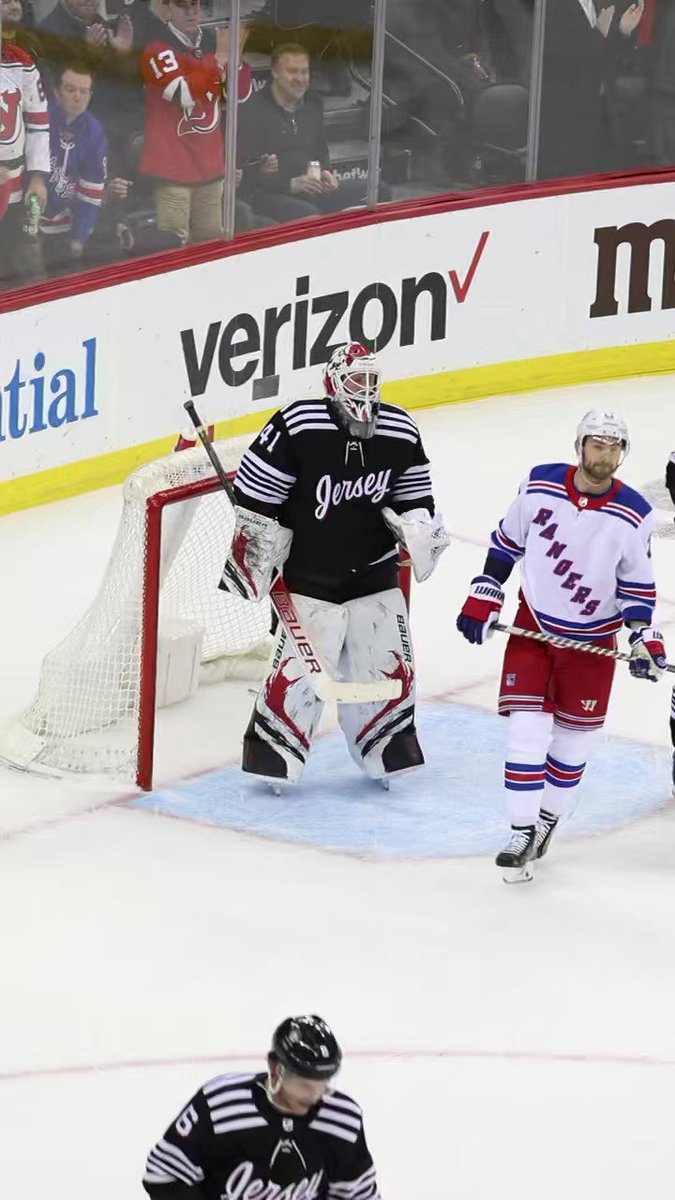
point(564, 643)
point(325, 687)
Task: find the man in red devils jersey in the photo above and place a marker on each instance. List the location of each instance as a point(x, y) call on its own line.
point(331, 486)
point(184, 74)
point(283, 1134)
point(583, 539)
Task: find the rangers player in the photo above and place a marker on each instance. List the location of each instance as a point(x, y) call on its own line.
point(330, 487)
point(583, 539)
point(282, 1133)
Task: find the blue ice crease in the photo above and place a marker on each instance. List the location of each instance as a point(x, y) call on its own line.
point(452, 806)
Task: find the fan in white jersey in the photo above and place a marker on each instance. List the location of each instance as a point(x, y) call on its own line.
point(583, 542)
point(283, 1134)
point(329, 489)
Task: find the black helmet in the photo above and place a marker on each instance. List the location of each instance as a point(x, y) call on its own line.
point(307, 1046)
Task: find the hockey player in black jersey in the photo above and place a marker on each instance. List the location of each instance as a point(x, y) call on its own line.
point(330, 487)
point(280, 1135)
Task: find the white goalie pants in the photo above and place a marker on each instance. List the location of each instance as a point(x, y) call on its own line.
point(364, 639)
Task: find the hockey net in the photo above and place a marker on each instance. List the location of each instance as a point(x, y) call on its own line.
point(158, 626)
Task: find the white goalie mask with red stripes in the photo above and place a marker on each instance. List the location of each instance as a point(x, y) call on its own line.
point(352, 381)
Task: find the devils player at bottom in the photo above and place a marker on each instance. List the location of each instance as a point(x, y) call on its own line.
point(283, 1133)
point(583, 540)
point(330, 487)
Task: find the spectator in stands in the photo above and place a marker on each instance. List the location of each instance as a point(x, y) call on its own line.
point(148, 18)
point(663, 82)
point(183, 150)
point(77, 31)
point(74, 22)
point(580, 46)
point(24, 161)
point(281, 132)
point(78, 154)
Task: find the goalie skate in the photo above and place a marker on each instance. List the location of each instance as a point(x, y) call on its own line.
point(516, 858)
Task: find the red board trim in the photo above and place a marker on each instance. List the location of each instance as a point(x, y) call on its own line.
point(175, 260)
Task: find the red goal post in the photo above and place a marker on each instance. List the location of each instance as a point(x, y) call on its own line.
point(158, 626)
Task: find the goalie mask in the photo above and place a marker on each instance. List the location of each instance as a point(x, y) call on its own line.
point(352, 383)
point(599, 424)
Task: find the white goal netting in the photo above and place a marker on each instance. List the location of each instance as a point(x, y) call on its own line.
point(87, 711)
point(659, 497)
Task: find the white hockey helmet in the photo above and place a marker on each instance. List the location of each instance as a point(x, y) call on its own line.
point(352, 381)
point(599, 424)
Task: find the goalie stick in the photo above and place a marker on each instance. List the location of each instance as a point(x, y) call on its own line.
point(323, 684)
point(564, 643)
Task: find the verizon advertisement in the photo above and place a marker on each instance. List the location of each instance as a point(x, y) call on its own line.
point(482, 286)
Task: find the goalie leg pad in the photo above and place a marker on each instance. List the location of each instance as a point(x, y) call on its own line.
point(377, 646)
point(259, 757)
point(402, 751)
point(287, 709)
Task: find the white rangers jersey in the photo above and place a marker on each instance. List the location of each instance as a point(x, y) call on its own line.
point(231, 1143)
point(24, 119)
point(586, 560)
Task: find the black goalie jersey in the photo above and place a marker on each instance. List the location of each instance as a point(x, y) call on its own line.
point(305, 470)
point(230, 1143)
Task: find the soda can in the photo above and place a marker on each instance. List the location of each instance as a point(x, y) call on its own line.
point(31, 224)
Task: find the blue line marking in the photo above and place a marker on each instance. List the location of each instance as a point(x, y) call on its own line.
point(455, 805)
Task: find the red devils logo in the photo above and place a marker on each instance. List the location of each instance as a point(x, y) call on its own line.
point(10, 102)
point(203, 118)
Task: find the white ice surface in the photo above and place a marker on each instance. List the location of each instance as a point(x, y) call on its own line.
point(517, 1042)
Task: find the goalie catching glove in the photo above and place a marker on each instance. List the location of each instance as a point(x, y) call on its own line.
point(648, 654)
point(259, 549)
point(423, 536)
point(481, 609)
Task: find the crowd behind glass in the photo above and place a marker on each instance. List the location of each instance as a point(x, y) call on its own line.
point(113, 112)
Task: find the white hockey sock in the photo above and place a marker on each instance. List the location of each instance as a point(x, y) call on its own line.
point(524, 771)
point(565, 764)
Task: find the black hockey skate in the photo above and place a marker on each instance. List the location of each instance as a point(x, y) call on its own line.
point(545, 829)
point(516, 857)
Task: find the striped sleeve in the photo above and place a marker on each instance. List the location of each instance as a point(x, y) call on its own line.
point(266, 474)
point(507, 541)
point(180, 1164)
point(36, 120)
point(89, 190)
point(353, 1176)
point(412, 487)
point(174, 1167)
point(635, 586)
